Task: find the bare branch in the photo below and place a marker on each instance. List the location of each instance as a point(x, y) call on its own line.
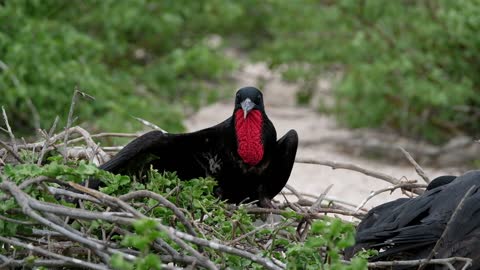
point(417, 167)
point(149, 124)
point(77, 262)
point(47, 141)
point(352, 167)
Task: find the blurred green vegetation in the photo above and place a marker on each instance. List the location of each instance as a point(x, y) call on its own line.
point(137, 58)
point(410, 66)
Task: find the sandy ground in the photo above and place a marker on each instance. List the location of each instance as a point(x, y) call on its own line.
point(311, 127)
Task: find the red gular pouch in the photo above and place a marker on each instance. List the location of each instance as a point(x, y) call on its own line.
point(249, 136)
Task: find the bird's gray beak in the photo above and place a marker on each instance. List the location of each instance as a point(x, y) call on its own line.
point(247, 106)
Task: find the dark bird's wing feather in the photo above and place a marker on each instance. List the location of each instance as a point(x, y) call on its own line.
point(191, 155)
point(281, 164)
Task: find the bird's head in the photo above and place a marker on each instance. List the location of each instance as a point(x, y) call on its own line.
point(249, 116)
point(249, 99)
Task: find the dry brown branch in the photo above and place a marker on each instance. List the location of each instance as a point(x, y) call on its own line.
point(47, 141)
point(163, 201)
point(259, 210)
point(149, 124)
point(406, 185)
point(47, 253)
point(446, 262)
point(417, 167)
point(12, 151)
point(9, 131)
point(76, 92)
point(318, 203)
point(352, 167)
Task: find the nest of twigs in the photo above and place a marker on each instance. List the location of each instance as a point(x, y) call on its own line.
point(159, 222)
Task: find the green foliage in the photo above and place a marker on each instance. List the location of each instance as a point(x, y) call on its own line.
point(218, 220)
point(407, 65)
point(137, 58)
point(333, 235)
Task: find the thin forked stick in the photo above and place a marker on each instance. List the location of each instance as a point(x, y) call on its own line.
point(417, 167)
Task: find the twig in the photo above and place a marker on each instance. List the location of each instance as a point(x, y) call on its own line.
point(259, 210)
point(294, 191)
point(149, 124)
point(447, 262)
point(70, 115)
point(352, 167)
point(418, 169)
point(447, 227)
point(165, 202)
point(47, 141)
point(318, 203)
point(380, 191)
point(44, 252)
point(12, 151)
point(9, 130)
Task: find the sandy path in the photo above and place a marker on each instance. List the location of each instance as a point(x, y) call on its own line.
point(312, 127)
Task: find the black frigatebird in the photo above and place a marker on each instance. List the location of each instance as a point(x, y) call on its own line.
point(411, 229)
point(242, 153)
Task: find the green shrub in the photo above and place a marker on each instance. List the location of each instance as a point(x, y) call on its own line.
point(137, 58)
point(408, 65)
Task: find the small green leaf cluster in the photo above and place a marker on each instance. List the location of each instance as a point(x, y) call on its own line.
point(323, 246)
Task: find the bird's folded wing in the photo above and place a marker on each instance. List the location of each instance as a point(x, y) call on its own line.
point(282, 164)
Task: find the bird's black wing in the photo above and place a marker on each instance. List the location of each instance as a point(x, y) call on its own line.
point(191, 155)
point(281, 165)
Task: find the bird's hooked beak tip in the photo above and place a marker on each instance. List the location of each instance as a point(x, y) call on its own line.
point(247, 106)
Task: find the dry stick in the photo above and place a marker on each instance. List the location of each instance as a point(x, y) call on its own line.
point(328, 198)
point(294, 191)
point(9, 130)
point(418, 169)
point(352, 167)
point(318, 203)
point(259, 210)
point(375, 193)
point(149, 124)
point(25, 202)
point(89, 141)
point(70, 115)
point(16, 221)
point(12, 151)
point(101, 196)
point(109, 134)
point(165, 202)
point(47, 141)
point(71, 194)
point(447, 227)
point(44, 252)
point(447, 261)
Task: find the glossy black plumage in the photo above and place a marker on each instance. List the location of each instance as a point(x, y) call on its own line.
point(213, 152)
point(409, 229)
